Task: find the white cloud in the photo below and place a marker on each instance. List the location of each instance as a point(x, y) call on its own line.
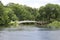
point(32, 3)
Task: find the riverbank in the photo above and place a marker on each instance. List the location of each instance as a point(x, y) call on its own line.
point(54, 25)
point(15, 24)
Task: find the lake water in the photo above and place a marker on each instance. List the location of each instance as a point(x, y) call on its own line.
point(29, 32)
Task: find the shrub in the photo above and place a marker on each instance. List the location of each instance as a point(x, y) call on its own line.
point(55, 24)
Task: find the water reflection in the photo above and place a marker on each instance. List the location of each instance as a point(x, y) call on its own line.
point(29, 33)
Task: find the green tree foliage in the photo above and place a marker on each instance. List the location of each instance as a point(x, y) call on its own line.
point(49, 12)
point(1, 13)
point(13, 12)
point(23, 12)
point(6, 15)
point(33, 11)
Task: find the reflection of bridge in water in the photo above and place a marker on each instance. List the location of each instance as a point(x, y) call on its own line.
point(35, 22)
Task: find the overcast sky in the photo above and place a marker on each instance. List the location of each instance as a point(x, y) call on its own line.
point(31, 3)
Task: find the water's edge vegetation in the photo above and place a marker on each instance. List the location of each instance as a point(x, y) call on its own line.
point(16, 12)
point(55, 24)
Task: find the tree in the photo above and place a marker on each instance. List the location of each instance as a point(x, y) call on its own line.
point(1, 12)
point(6, 15)
point(22, 12)
point(49, 12)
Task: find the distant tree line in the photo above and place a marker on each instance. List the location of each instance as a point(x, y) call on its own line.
point(13, 12)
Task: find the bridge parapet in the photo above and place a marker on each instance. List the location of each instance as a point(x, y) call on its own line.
point(36, 22)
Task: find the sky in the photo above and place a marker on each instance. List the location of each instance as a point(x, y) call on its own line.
point(31, 3)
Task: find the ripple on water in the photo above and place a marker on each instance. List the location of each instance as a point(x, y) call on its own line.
point(29, 33)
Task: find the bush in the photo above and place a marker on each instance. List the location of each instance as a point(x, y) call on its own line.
point(55, 24)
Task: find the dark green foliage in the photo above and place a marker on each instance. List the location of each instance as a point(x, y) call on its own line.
point(13, 12)
point(6, 15)
point(49, 12)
